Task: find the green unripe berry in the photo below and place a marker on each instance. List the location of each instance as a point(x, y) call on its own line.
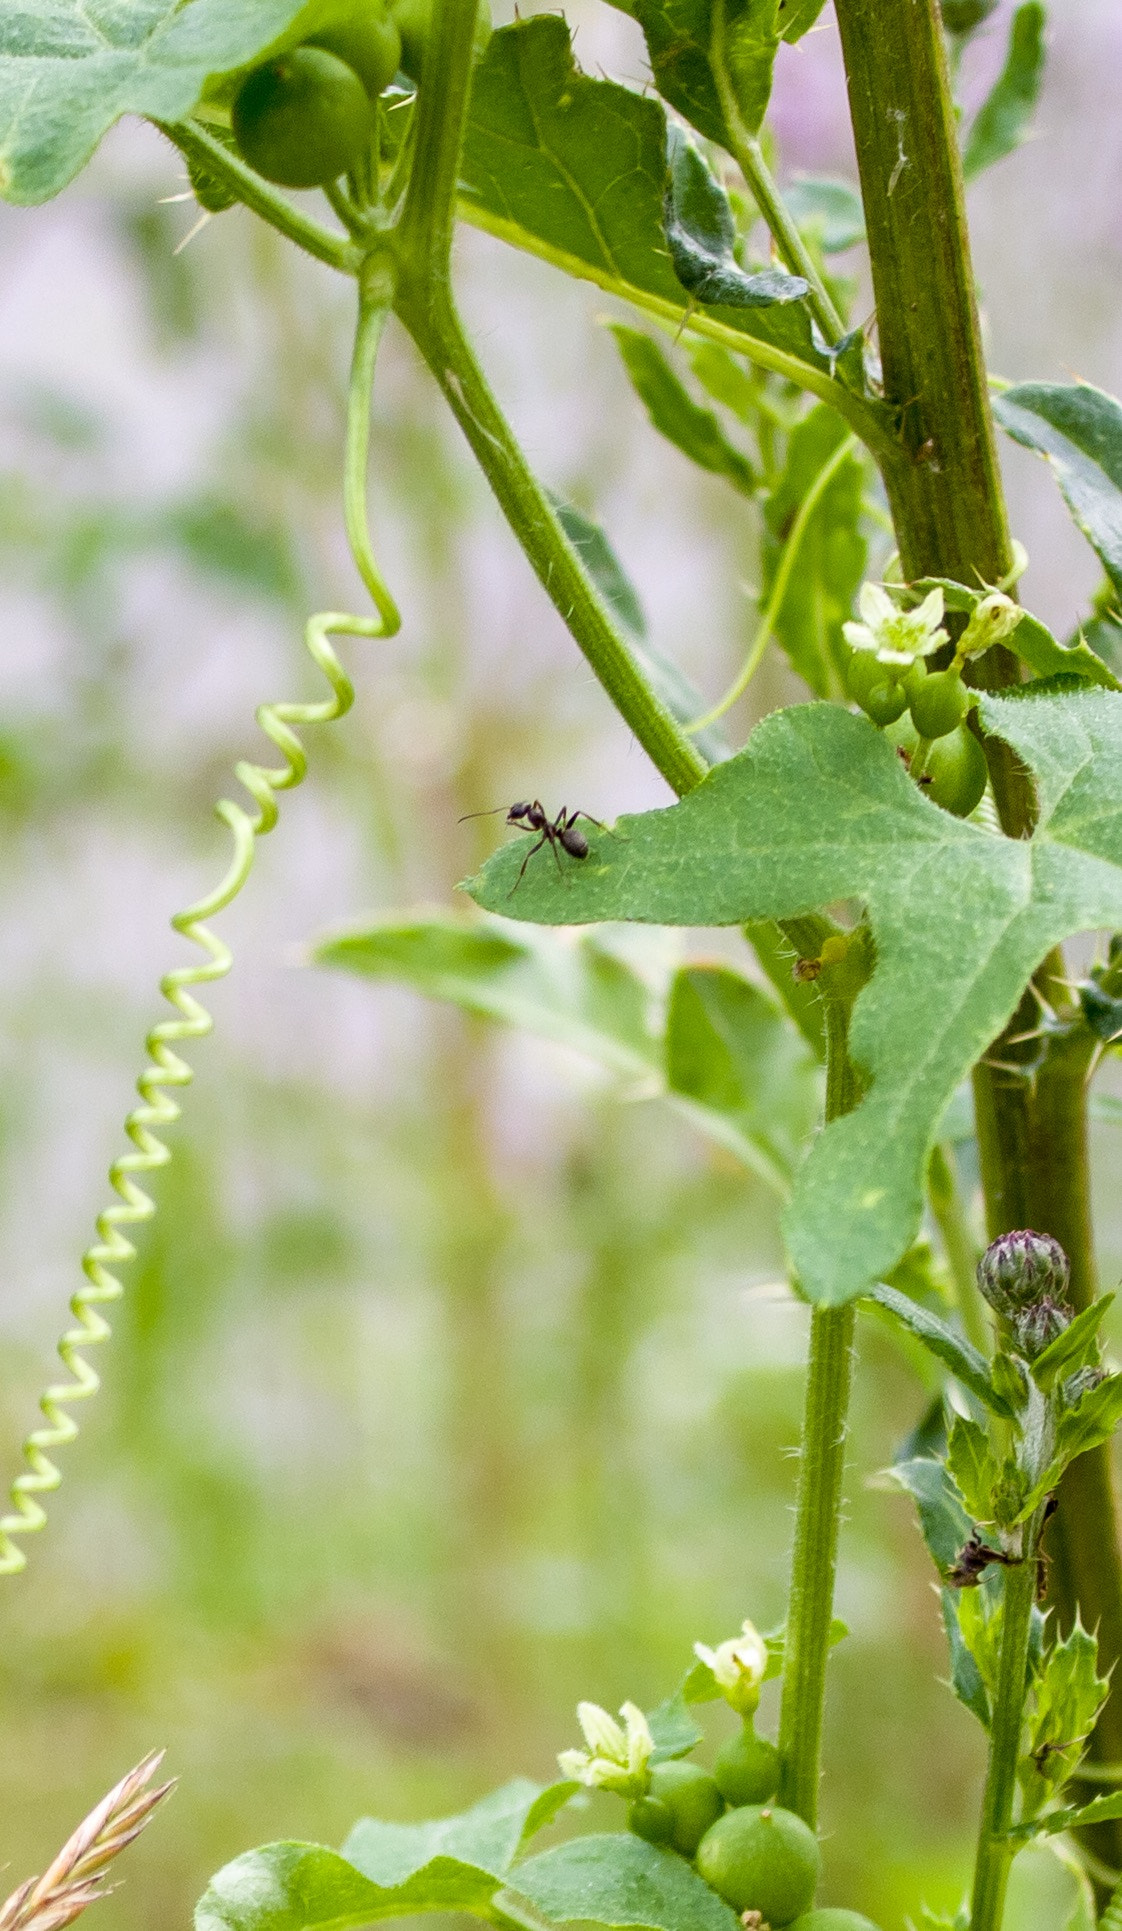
point(369, 41)
point(938, 703)
point(414, 19)
point(869, 684)
point(829, 1918)
point(956, 772)
point(649, 1817)
point(747, 1768)
point(303, 119)
point(692, 1798)
point(761, 1860)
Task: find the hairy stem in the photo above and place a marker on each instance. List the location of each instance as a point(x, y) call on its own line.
point(429, 216)
point(200, 146)
point(995, 1852)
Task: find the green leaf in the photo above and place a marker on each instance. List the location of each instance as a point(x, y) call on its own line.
point(702, 238)
point(973, 1467)
point(830, 211)
point(488, 1837)
point(953, 1350)
point(1092, 1421)
point(618, 1881)
point(1102, 1810)
point(619, 593)
point(942, 1518)
point(1002, 122)
point(1076, 1347)
point(581, 995)
point(831, 556)
point(1068, 1695)
point(1078, 429)
point(818, 808)
point(576, 170)
point(675, 414)
point(730, 1053)
point(384, 1870)
point(694, 44)
point(1032, 641)
point(797, 17)
point(966, 1677)
point(69, 70)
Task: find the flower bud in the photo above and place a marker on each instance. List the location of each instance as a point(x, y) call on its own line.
point(738, 1667)
point(1021, 1269)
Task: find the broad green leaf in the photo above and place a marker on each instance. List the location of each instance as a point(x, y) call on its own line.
point(675, 414)
point(830, 211)
point(1032, 641)
point(817, 808)
point(576, 170)
point(306, 1887)
point(579, 994)
point(488, 1837)
point(702, 239)
point(617, 1881)
point(942, 1518)
point(619, 593)
point(953, 1350)
point(973, 1467)
point(966, 1677)
point(695, 45)
point(797, 17)
point(730, 1054)
point(831, 556)
point(70, 68)
point(731, 383)
point(1078, 429)
point(1002, 122)
point(1076, 1347)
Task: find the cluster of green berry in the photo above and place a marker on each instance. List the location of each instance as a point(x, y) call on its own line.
point(925, 712)
point(762, 1859)
point(307, 116)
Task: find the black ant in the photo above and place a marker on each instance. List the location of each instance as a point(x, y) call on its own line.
point(973, 1559)
point(562, 830)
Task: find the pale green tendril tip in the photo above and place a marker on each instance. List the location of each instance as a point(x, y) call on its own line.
point(166, 1069)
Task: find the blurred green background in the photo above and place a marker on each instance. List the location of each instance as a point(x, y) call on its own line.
point(453, 1383)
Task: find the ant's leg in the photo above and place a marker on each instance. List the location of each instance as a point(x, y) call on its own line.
point(534, 848)
point(574, 815)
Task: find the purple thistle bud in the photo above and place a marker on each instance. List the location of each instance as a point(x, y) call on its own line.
point(1020, 1270)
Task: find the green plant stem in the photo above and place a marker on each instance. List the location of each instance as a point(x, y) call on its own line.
point(787, 561)
point(375, 298)
point(746, 151)
point(995, 1851)
point(429, 215)
point(944, 491)
point(435, 327)
point(814, 1556)
point(199, 146)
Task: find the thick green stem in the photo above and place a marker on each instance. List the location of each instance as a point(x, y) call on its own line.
point(435, 327)
point(945, 493)
point(995, 1852)
point(814, 1557)
point(429, 216)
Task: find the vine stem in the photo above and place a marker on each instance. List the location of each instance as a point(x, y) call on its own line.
point(766, 627)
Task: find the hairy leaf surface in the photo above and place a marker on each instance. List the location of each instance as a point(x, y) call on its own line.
point(816, 809)
point(70, 68)
point(620, 1880)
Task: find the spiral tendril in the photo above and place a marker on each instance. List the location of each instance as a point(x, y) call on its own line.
point(166, 1068)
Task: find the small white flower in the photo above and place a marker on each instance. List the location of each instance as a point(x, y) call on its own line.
point(991, 621)
point(896, 636)
point(616, 1758)
point(738, 1667)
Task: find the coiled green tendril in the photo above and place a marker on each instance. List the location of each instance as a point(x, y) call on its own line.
point(166, 1068)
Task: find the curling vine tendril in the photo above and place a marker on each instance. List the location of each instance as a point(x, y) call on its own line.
point(166, 1068)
